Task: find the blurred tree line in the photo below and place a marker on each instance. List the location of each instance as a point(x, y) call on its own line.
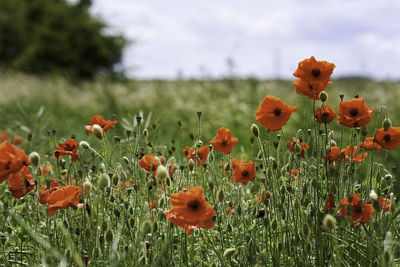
point(56, 36)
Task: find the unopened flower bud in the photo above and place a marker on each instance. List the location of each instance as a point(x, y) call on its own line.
point(104, 180)
point(34, 158)
point(220, 195)
point(191, 164)
point(97, 131)
point(87, 186)
point(373, 196)
point(386, 124)
point(109, 236)
point(323, 96)
point(229, 252)
point(126, 160)
point(329, 222)
point(255, 130)
point(227, 167)
point(162, 172)
point(145, 132)
point(84, 144)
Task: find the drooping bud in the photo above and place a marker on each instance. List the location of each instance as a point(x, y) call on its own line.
point(229, 252)
point(145, 132)
point(227, 167)
point(97, 131)
point(191, 164)
point(34, 158)
point(220, 195)
point(126, 160)
point(109, 236)
point(255, 130)
point(87, 186)
point(372, 195)
point(386, 124)
point(84, 144)
point(329, 222)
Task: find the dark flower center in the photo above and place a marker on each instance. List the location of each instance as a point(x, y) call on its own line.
point(224, 142)
point(186, 152)
point(386, 137)
point(8, 165)
point(277, 112)
point(27, 183)
point(353, 112)
point(315, 72)
point(245, 173)
point(311, 87)
point(194, 204)
point(325, 116)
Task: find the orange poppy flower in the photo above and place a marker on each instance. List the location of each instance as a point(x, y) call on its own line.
point(190, 210)
point(68, 148)
point(359, 211)
point(229, 208)
point(390, 139)
point(273, 113)
point(334, 155)
point(3, 136)
point(294, 173)
point(330, 203)
point(354, 113)
point(326, 115)
point(18, 140)
point(171, 169)
point(224, 141)
point(150, 163)
point(98, 119)
point(264, 195)
point(309, 89)
point(12, 160)
point(384, 203)
point(63, 198)
point(303, 146)
point(352, 152)
point(243, 171)
point(369, 144)
point(314, 72)
point(45, 193)
point(21, 183)
point(202, 154)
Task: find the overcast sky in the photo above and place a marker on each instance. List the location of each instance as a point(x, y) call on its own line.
point(263, 38)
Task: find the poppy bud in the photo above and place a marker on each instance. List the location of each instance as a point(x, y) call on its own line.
point(34, 158)
point(227, 167)
point(364, 130)
point(126, 160)
point(239, 210)
point(229, 228)
point(373, 196)
point(255, 130)
point(161, 202)
point(296, 204)
point(229, 252)
point(274, 224)
point(145, 132)
point(341, 97)
point(146, 228)
point(115, 179)
point(220, 195)
point(199, 143)
point(155, 226)
point(306, 229)
point(329, 222)
point(261, 213)
point(97, 131)
point(386, 124)
point(84, 144)
point(87, 185)
point(138, 119)
point(64, 172)
point(191, 164)
point(323, 96)
point(104, 181)
point(162, 172)
point(211, 185)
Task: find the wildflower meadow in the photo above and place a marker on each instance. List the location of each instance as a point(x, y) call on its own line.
point(272, 173)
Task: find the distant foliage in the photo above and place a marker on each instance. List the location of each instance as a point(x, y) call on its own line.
point(54, 36)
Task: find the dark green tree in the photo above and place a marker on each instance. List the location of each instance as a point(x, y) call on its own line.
point(55, 36)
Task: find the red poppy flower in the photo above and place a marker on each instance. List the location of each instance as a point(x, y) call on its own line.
point(384, 203)
point(352, 153)
point(330, 203)
point(264, 196)
point(63, 198)
point(369, 144)
point(224, 141)
point(294, 173)
point(354, 113)
point(98, 119)
point(150, 163)
point(21, 182)
point(12, 160)
point(315, 72)
point(273, 113)
point(303, 146)
point(68, 148)
point(229, 208)
point(359, 211)
point(171, 169)
point(389, 139)
point(45, 193)
point(309, 89)
point(202, 154)
point(334, 155)
point(326, 115)
point(190, 210)
point(243, 171)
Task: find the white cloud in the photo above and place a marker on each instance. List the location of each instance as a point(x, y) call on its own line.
point(265, 38)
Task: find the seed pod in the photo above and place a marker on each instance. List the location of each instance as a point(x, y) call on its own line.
point(323, 96)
